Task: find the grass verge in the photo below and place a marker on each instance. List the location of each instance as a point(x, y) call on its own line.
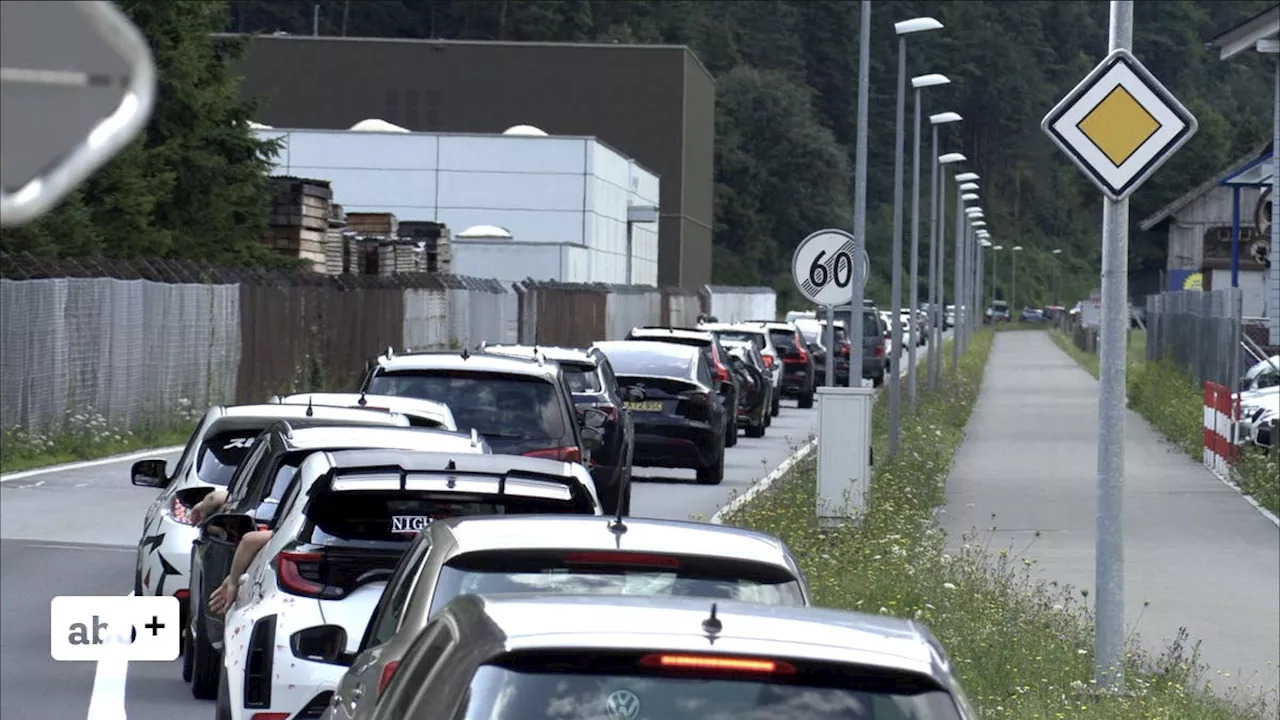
point(1174, 405)
point(87, 436)
point(1022, 648)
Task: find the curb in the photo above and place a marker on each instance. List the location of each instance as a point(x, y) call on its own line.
point(82, 464)
point(763, 483)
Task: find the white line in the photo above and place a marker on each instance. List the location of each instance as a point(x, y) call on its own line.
point(139, 455)
point(107, 700)
point(763, 483)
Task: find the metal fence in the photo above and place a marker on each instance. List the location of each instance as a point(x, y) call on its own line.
point(133, 342)
point(735, 304)
point(1200, 332)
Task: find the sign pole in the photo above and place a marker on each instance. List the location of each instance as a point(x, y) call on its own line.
point(831, 344)
point(1108, 642)
point(860, 195)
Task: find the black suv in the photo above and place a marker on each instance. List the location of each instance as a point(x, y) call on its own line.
point(593, 385)
point(255, 490)
point(717, 359)
point(522, 406)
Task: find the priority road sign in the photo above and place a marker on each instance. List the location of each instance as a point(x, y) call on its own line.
point(77, 84)
point(1119, 124)
point(823, 267)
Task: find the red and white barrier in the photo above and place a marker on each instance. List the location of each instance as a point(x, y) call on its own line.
point(1221, 420)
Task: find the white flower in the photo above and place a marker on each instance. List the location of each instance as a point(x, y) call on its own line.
point(948, 586)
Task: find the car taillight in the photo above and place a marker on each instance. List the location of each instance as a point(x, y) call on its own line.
point(388, 672)
point(292, 569)
point(804, 355)
point(721, 373)
point(879, 350)
point(768, 361)
point(844, 349)
point(719, 663)
point(270, 716)
point(619, 559)
point(570, 453)
point(179, 511)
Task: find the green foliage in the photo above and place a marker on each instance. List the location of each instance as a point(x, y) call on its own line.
point(1023, 649)
point(87, 435)
point(194, 185)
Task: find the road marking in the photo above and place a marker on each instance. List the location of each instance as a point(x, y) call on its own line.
point(139, 455)
point(763, 483)
point(56, 545)
point(109, 679)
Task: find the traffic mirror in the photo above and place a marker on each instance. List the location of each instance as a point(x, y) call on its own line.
point(77, 84)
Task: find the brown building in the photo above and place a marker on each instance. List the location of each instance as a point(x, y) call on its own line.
point(655, 103)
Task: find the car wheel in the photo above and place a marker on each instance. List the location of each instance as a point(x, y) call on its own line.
point(756, 430)
point(223, 710)
point(806, 400)
point(777, 405)
point(877, 381)
point(713, 475)
point(205, 661)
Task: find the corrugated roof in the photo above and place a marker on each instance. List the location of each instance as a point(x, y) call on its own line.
point(1168, 210)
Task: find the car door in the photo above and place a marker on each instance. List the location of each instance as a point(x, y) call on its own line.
point(624, 426)
point(366, 671)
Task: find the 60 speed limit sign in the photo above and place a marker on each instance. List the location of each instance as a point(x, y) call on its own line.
point(823, 267)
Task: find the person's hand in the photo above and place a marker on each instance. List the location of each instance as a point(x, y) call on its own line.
point(222, 598)
point(206, 507)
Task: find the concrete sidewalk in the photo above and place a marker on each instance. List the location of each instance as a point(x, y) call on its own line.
point(1194, 549)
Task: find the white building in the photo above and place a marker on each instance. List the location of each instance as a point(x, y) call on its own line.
point(572, 208)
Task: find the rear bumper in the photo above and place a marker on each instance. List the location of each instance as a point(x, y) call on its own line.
point(691, 445)
point(797, 379)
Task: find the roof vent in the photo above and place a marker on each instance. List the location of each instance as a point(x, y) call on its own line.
point(485, 232)
point(376, 125)
point(258, 126)
point(524, 131)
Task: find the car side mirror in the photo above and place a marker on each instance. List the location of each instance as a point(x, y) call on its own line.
point(592, 438)
point(322, 643)
point(594, 418)
point(150, 473)
point(228, 526)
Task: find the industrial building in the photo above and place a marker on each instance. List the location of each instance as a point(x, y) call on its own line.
point(519, 205)
point(652, 103)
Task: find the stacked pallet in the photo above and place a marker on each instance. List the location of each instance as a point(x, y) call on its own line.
point(336, 260)
point(299, 221)
point(434, 240)
point(383, 226)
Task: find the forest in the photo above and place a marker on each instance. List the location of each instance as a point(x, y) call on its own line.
point(786, 76)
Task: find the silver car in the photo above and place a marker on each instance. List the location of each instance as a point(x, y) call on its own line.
point(625, 658)
point(421, 413)
point(559, 555)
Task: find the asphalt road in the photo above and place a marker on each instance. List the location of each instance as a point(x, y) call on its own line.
point(75, 531)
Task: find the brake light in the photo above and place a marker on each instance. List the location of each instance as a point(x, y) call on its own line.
point(768, 361)
point(289, 571)
point(621, 559)
point(721, 373)
point(570, 453)
point(183, 595)
point(717, 662)
point(804, 354)
point(844, 349)
point(180, 512)
point(270, 716)
point(388, 672)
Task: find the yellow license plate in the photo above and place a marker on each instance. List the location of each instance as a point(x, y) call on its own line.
point(645, 406)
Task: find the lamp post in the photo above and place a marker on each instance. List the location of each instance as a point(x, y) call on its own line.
point(935, 310)
point(973, 215)
point(860, 192)
point(903, 29)
point(995, 276)
point(946, 159)
point(1013, 293)
point(972, 276)
point(962, 280)
point(984, 242)
point(1056, 252)
point(918, 83)
point(956, 346)
point(968, 187)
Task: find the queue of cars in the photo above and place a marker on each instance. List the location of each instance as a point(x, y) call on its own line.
point(434, 545)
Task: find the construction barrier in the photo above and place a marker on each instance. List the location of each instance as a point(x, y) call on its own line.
point(1221, 422)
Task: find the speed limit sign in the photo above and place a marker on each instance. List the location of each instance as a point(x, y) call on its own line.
point(823, 267)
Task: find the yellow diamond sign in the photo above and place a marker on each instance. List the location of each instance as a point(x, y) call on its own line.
point(1119, 124)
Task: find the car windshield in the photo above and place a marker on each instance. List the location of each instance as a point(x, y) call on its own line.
point(647, 362)
point(503, 406)
point(582, 378)
point(540, 687)
point(589, 573)
point(222, 452)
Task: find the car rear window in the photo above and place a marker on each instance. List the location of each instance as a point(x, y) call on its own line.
point(511, 406)
point(542, 686)
point(784, 340)
point(589, 573)
point(649, 362)
point(756, 339)
point(700, 342)
point(222, 452)
point(582, 378)
point(361, 515)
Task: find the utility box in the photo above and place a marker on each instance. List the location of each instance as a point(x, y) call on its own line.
point(844, 453)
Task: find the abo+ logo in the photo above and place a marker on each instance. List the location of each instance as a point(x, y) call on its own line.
point(112, 627)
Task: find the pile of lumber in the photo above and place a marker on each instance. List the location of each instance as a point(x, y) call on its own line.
point(299, 221)
point(435, 243)
point(336, 260)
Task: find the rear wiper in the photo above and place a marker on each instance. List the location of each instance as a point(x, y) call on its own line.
point(505, 436)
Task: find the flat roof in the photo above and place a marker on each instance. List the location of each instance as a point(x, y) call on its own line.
point(1246, 35)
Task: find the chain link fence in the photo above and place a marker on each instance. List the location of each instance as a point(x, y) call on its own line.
point(1200, 332)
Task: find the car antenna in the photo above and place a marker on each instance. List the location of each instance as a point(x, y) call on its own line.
point(362, 401)
point(453, 465)
point(310, 410)
point(712, 625)
point(465, 353)
point(616, 526)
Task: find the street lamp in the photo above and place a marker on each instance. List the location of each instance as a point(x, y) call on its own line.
point(979, 277)
point(1056, 252)
point(965, 291)
point(1013, 293)
point(935, 312)
point(903, 29)
point(962, 260)
point(995, 276)
point(941, 295)
point(918, 83)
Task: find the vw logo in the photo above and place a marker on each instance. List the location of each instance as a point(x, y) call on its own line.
point(623, 705)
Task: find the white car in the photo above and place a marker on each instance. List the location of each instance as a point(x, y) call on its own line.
point(305, 600)
point(220, 441)
point(421, 413)
point(759, 336)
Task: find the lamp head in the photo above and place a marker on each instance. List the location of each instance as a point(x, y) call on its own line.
point(1057, 251)
point(984, 242)
point(931, 80)
point(967, 177)
point(969, 187)
point(951, 158)
point(969, 197)
point(979, 223)
point(998, 247)
point(946, 117)
point(1017, 247)
point(915, 25)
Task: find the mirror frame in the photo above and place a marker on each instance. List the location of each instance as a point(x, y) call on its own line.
point(156, 481)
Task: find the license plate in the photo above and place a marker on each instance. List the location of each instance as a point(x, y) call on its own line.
point(651, 406)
